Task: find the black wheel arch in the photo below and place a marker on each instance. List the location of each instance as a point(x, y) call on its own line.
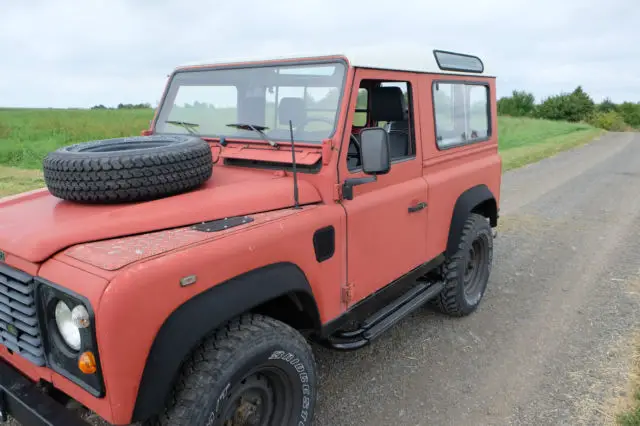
point(276, 288)
point(478, 199)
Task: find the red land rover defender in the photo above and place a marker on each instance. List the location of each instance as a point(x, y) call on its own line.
point(177, 278)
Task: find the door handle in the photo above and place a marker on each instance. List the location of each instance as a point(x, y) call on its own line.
point(417, 207)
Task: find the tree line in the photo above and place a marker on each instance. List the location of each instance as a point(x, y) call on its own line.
point(576, 106)
point(124, 106)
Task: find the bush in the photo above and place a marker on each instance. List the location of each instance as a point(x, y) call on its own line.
point(611, 120)
point(607, 106)
point(574, 107)
point(630, 113)
point(520, 104)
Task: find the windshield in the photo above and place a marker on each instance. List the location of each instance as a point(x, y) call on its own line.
point(228, 102)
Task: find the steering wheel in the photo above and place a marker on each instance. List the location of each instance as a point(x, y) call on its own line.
point(308, 120)
point(353, 141)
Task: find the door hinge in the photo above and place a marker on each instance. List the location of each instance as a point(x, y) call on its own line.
point(347, 294)
point(337, 192)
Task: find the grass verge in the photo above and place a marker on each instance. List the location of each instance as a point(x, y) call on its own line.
point(14, 180)
point(630, 415)
point(522, 155)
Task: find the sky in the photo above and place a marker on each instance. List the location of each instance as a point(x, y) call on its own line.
point(78, 53)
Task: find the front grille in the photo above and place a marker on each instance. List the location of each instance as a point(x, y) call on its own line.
point(19, 329)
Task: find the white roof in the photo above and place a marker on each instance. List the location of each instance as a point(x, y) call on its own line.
point(401, 58)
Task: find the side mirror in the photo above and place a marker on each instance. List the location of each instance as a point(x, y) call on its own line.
point(374, 151)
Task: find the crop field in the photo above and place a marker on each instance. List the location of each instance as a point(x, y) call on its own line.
point(27, 135)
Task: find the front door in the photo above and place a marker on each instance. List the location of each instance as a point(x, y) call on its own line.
point(386, 219)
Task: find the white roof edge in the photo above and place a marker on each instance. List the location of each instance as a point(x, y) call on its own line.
point(402, 59)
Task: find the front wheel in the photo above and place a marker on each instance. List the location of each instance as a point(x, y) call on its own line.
point(466, 272)
point(254, 371)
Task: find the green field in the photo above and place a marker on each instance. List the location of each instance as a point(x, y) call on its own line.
point(26, 135)
point(526, 140)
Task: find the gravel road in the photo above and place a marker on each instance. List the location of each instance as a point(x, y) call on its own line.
point(550, 344)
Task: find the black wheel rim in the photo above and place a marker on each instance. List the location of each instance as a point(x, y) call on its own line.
point(474, 270)
point(263, 397)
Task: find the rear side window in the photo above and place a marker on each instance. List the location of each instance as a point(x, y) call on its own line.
point(461, 113)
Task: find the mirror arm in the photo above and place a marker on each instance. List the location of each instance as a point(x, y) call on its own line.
point(347, 187)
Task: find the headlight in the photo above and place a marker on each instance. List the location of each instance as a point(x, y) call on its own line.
point(68, 324)
point(68, 330)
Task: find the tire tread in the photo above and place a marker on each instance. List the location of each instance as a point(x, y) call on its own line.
point(449, 300)
point(128, 177)
point(204, 363)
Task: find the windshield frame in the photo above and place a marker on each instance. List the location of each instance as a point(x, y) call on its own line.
point(164, 105)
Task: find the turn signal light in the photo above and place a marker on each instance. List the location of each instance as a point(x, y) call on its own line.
point(87, 363)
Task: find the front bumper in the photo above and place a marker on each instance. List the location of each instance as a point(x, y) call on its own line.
point(20, 399)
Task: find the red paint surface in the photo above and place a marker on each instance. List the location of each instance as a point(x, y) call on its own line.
point(282, 155)
point(54, 224)
point(117, 253)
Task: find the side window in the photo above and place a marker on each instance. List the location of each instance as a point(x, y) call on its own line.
point(386, 104)
point(398, 124)
point(461, 113)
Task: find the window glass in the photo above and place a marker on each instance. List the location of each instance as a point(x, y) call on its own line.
point(214, 98)
point(199, 104)
point(400, 129)
point(405, 92)
point(360, 116)
point(461, 113)
point(321, 104)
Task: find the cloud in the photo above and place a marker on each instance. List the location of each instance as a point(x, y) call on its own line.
point(73, 53)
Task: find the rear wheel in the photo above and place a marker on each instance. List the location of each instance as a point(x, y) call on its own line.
point(467, 271)
point(254, 371)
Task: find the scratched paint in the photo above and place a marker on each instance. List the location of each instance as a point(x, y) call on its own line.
point(117, 253)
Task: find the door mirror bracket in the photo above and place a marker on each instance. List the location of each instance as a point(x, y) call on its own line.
point(347, 187)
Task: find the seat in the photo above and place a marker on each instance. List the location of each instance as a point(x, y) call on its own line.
point(292, 109)
point(289, 109)
point(388, 104)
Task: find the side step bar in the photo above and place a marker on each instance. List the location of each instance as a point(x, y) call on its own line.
point(386, 317)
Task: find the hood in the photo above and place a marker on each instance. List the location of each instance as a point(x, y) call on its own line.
point(36, 225)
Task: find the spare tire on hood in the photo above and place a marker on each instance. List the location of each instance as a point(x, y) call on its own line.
point(120, 170)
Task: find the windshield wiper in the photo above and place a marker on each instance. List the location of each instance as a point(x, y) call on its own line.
point(187, 126)
point(256, 128)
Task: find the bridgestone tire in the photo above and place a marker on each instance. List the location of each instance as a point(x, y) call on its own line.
point(130, 169)
point(253, 366)
point(476, 240)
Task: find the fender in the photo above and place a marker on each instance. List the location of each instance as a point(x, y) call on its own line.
point(476, 199)
point(197, 317)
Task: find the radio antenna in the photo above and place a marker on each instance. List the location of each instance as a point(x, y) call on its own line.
point(295, 172)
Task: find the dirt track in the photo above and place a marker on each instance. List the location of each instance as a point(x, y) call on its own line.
point(550, 343)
